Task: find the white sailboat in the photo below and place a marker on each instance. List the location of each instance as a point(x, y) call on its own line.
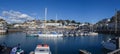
point(92, 33)
point(49, 33)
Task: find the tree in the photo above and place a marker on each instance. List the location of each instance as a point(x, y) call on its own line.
point(73, 21)
point(78, 23)
point(68, 21)
point(52, 21)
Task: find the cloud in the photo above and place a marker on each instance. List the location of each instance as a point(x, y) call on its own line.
point(16, 16)
point(2, 18)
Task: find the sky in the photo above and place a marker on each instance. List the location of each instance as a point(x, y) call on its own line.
point(79, 10)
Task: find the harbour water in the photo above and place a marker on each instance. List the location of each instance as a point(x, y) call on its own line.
point(60, 45)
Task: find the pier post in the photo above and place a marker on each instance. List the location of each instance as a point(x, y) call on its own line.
point(118, 43)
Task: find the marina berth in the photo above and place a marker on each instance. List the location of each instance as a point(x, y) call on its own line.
point(59, 26)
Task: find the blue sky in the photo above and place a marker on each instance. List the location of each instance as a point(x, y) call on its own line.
point(79, 10)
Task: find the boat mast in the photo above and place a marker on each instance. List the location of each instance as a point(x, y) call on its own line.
point(45, 20)
point(56, 19)
point(56, 22)
point(116, 22)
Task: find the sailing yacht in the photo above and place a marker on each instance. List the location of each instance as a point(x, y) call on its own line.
point(92, 33)
point(49, 33)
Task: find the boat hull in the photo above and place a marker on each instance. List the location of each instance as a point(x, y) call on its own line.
point(50, 35)
point(109, 46)
point(93, 33)
point(32, 35)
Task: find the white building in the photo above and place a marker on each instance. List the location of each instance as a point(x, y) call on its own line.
point(53, 24)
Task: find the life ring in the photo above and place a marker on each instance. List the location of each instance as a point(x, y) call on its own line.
point(14, 49)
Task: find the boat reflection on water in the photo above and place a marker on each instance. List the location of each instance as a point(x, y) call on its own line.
point(50, 40)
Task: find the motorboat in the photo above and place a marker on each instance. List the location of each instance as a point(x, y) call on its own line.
point(42, 49)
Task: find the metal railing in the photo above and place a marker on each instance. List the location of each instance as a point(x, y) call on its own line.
point(115, 52)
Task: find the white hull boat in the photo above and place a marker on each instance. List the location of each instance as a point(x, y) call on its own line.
point(42, 49)
point(92, 33)
point(50, 35)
